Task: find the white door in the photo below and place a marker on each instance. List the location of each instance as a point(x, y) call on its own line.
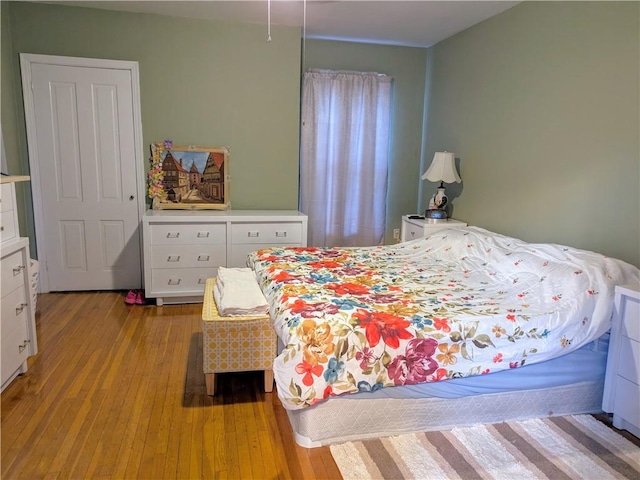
point(85, 162)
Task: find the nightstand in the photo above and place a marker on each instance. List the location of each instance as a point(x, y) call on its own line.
point(413, 228)
point(622, 380)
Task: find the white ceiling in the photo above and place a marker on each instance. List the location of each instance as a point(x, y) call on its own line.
point(419, 23)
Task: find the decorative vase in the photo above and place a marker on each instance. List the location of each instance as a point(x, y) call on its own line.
point(440, 199)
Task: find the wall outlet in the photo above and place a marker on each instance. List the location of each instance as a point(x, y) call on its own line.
point(396, 234)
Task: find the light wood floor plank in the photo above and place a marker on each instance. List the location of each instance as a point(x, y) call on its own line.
point(29, 429)
point(175, 410)
point(117, 392)
point(138, 427)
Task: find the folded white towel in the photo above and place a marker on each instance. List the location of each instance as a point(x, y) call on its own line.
point(237, 293)
point(235, 275)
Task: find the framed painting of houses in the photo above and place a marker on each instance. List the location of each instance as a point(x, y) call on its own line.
point(188, 177)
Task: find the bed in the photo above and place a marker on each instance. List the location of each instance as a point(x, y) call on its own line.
point(460, 327)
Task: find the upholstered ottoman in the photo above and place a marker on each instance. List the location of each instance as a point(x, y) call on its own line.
point(235, 344)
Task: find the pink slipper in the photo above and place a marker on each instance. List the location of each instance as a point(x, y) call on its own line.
point(140, 300)
point(131, 297)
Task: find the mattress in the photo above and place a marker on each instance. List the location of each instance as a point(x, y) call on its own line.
point(568, 385)
point(587, 364)
point(343, 419)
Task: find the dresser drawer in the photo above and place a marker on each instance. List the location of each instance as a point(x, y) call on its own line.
point(178, 280)
point(188, 234)
point(631, 322)
point(7, 226)
point(12, 271)
point(626, 403)
point(187, 256)
point(14, 351)
point(239, 252)
point(14, 311)
point(266, 233)
point(6, 197)
point(414, 231)
point(629, 360)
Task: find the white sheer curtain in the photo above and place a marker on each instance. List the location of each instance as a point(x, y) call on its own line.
point(344, 157)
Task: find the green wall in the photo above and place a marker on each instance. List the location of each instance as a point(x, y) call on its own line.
point(10, 127)
point(214, 83)
point(8, 97)
point(202, 83)
point(407, 67)
point(541, 106)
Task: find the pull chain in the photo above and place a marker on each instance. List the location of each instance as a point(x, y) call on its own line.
point(304, 31)
point(268, 20)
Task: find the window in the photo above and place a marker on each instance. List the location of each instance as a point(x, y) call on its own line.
point(344, 156)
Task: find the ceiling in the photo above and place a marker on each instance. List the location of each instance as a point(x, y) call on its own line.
point(417, 23)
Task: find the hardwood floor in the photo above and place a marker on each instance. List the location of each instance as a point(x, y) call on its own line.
point(117, 391)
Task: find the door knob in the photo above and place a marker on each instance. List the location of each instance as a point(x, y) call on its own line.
point(131, 197)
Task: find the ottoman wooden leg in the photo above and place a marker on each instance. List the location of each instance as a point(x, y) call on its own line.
point(210, 380)
point(268, 380)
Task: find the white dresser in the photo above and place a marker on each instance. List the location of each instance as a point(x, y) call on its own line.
point(413, 228)
point(17, 323)
point(183, 249)
point(622, 381)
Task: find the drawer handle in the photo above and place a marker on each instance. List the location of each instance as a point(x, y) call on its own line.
point(203, 258)
point(281, 234)
point(413, 234)
point(173, 234)
point(253, 234)
point(203, 234)
point(173, 258)
point(18, 269)
point(23, 346)
point(20, 308)
point(174, 282)
point(202, 281)
point(1, 229)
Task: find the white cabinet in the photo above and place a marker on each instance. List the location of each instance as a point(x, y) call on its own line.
point(622, 381)
point(8, 215)
point(413, 228)
point(183, 249)
point(17, 322)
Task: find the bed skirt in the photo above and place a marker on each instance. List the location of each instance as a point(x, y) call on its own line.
point(346, 419)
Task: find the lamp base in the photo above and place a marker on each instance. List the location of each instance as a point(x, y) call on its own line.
point(435, 214)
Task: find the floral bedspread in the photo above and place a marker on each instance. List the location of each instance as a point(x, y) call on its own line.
point(460, 302)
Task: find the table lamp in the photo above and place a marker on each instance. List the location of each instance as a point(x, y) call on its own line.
point(443, 170)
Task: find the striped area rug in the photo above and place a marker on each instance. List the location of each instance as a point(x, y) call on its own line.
point(575, 447)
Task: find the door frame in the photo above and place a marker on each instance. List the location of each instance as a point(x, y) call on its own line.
point(26, 61)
